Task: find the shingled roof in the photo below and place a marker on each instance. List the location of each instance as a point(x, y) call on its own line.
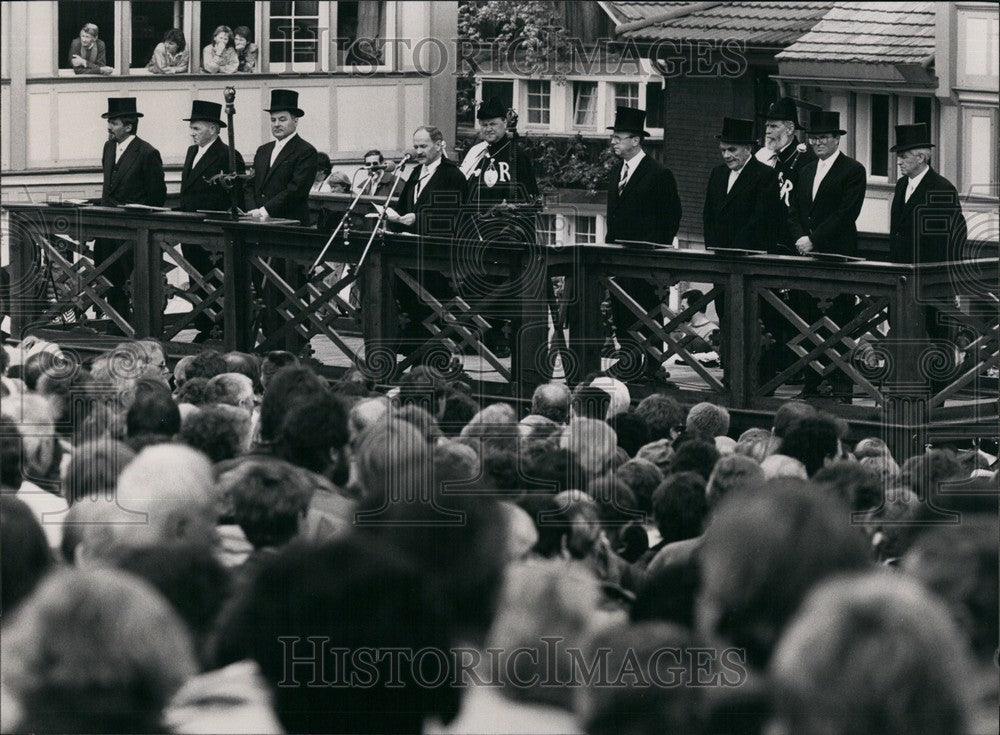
point(756, 24)
point(870, 33)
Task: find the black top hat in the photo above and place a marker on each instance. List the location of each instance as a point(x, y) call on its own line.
point(285, 100)
point(783, 109)
point(491, 109)
point(824, 121)
point(206, 112)
point(630, 120)
point(735, 130)
point(119, 107)
point(908, 137)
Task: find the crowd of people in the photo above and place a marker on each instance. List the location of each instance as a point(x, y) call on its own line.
point(238, 545)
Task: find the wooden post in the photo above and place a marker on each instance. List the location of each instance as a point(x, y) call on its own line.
point(585, 333)
point(142, 278)
point(238, 294)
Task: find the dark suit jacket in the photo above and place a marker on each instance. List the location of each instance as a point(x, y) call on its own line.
point(283, 190)
point(439, 206)
point(649, 209)
point(747, 216)
point(915, 232)
point(789, 167)
point(138, 177)
point(196, 193)
point(829, 221)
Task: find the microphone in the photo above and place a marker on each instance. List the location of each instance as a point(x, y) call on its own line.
point(389, 166)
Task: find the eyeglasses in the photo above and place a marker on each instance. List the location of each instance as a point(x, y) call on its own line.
point(820, 138)
point(620, 138)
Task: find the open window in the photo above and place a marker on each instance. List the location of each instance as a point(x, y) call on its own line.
point(361, 32)
point(215, 14)
point(74, 16)
point(150, 20)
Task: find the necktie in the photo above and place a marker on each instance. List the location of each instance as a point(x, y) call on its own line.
point(623, 180)
point(421, 183)
point(773, 160)
point(910, 188)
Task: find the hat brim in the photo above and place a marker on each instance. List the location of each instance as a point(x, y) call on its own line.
point(204, 119)
point(734, 141)
point(294, 110)
point(765, 116)
point(641, 133)
point(825, 132)
point(903, 147)
point(118, 115)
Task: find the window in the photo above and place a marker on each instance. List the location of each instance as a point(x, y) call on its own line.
point(586, 230)
point(585, 104)
point(150, 20)
point(538, 102)
point(294, 27)
point(879, 135)
point(978, 41)
point(654, 104)
point(361, 29)
point(74, 16)
point(980, 165)
point(503, 91)
point(215, 14)
point(626, 94)
point(549, 230)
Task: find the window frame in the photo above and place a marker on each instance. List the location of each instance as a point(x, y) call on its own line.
point(322, 63)
point(527, 103)
point(966, 16)
point(595, 105)
point(389, 50)
point(593, 235)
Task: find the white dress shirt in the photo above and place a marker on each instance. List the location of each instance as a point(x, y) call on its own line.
point(279, 146)
point(733, 175)
point(120, 148)
point(425, 175)
point(913, 183)
point(201, 152)
point(822, 169)
point(629, 167)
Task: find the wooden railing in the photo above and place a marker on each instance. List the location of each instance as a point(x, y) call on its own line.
point(262, 297)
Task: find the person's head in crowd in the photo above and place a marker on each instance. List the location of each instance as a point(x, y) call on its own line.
point(871, 447)
point(94, 469)
point(522, 535)
point(189, 577)
point(725, 445)
point(667, 593)
point(543, 598)
point(206, 364)
point(754, 443)
point(40, 363)
point(859, 487)
point(349, 593)
point(315, 436)
point(495, 426)
point(273, 362)
point(789, 414)
point(94, 651)
point(323, 166)
point(928, 472)
point(393, 460)
point(232, 389)
point(708, 419)
point(366, 412)
point(164, 494)
point(270, 498)
point(420, 418)
point(815, 442)
point(663, 415)
point(621, 399)
point(569, 526)
point(636, 706)
point(174, 41)
point(10, 455)
point(153, 410)
point(884, 466)
point(780, 465)
point(501, 470)
point(538, 428)
point(680, 506)
point(242, 37)
point(245, 364)
point(593, 443)
point(642, 478)
point(696, 455)
point(374, 157)
point(660, 453)
point(422, 386)
point(180, 371)
point(617, 508)
point(194, 392)
point(289, 386)
point(590, 402)
point(733, 474)
point(798, 537)
point(870, 654)
point(220, 432)
point(547, 468)
point(458, 411)
point(631, 431)
point(39, 450)
point(958, 563)
point(104, 420)
point(26, 556)
point(551, 400)
point(154, 359)
point(455, 463)
point(72, 394)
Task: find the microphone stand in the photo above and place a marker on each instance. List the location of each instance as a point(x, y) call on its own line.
point(381, 215)
point(344, 224)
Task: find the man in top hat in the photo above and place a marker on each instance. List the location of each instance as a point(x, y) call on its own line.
point(284, 168)
point(922, 194)
point(825, 205)
point(643, 206)
point(207, 157)
point(133, 174)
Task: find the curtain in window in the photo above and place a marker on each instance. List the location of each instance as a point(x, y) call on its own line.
point(371, 20)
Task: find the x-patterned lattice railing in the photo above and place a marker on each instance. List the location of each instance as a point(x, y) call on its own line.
point(204, 291)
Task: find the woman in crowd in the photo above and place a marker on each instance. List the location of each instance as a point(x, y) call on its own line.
point(220, 57)
point(87, 54)
point(171, 55)
point(246, 49)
